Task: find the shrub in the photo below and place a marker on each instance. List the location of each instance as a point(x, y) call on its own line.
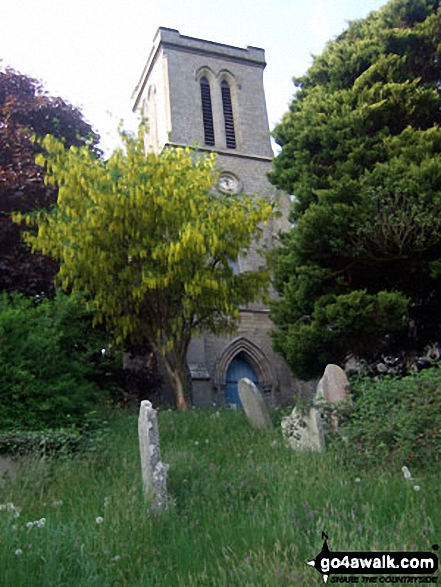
point(396, 420)
point(58, 442)
point(50, 362)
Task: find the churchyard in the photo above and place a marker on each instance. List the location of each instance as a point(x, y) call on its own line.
point(160, 242)
point(243, 508)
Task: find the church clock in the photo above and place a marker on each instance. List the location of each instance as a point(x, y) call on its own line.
point(228, 183)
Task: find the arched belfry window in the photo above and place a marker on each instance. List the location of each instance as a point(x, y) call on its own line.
point(207, 112)
point(228, 115)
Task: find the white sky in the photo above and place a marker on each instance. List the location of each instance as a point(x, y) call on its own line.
point(92, 52)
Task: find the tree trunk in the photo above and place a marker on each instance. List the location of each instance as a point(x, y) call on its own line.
point(176, 370)
point(179, 387)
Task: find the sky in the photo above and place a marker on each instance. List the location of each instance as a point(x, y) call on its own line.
point(92, 52)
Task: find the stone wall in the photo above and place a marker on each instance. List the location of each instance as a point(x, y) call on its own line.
point(170, 91)
point(252, 338)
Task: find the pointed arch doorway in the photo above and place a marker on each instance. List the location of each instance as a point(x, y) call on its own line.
point(242, 358)
point(238, 368)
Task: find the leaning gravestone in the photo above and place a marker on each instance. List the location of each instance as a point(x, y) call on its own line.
point(154, 472)
point(303, 431)
point(254, 404)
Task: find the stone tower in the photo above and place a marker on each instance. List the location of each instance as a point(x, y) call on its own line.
point(197, 91)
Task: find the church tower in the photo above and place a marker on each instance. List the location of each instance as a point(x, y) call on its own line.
point(194, 91)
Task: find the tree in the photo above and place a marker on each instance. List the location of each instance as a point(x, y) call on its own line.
point(52, 371)
point(25, 111)
point(151, 243)
point(361, 153)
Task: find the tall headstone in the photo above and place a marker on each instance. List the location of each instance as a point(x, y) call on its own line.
point(333, 387)
point(154, 472)
point(303, 431)
point(254, 404)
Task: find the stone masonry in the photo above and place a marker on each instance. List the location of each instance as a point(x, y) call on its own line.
point(169, 95)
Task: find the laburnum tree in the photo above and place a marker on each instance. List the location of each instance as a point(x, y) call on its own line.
point(361, 153)
point(25, 111)
point(150, 242)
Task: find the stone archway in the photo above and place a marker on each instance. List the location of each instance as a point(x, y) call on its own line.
point(238, 368)
point(252, 354)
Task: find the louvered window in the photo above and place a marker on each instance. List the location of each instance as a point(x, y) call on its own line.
point(207, 112)
point(228, 115)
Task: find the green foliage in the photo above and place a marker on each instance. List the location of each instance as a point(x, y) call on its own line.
point(357, 320)
point(361, 152)
point(394, 421)
point(305, 347)
point(49, 362)
point(150, 242)
point(245, 510)
point(41, 444)
point(59, 442)
point(360, 314)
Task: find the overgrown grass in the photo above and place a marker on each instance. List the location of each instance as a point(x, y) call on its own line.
point(245, 511)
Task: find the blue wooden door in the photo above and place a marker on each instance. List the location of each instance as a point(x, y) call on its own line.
point(238, 369)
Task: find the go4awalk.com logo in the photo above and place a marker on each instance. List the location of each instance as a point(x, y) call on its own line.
point(409, 568)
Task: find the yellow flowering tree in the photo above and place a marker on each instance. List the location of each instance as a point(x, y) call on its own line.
point(151, 243)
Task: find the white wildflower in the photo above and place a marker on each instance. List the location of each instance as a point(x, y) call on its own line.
point(416, 488)
point(18, 552)
point(99, 520)
point(38, 523)
point(357, 480)
point(11, 508)
point(407, 474)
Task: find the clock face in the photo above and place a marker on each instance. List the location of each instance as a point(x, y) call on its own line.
point(228, 183)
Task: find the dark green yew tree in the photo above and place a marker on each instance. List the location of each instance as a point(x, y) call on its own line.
point(360, 272)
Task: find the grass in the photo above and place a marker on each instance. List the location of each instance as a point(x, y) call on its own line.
point(245, 511)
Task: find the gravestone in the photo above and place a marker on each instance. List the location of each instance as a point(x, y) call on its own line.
point(303, 431)
point(154, 472)
point(333, 387)
point(8, 467)
point(254, 404)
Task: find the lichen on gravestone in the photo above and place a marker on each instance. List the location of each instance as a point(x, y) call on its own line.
point(303, 430)
point(154, 471)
